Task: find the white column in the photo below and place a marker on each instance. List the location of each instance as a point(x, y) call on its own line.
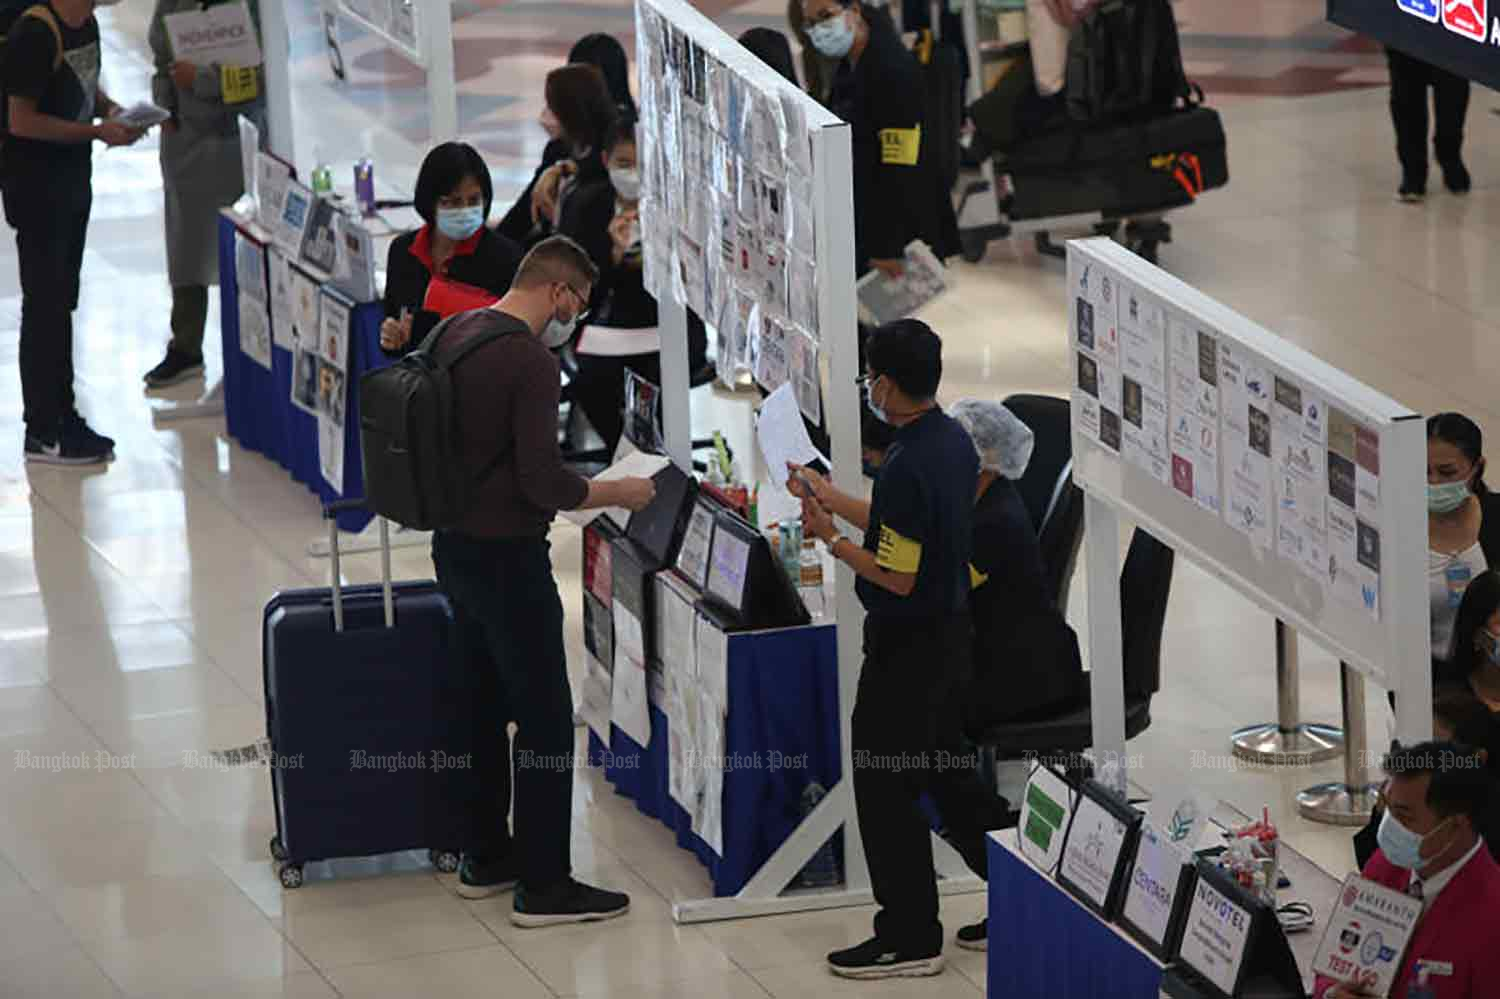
point(277, 42)
point(1106, 643)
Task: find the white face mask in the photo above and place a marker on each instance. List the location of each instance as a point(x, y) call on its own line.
point(626, 182)
point(833, 37)
point(556, 332)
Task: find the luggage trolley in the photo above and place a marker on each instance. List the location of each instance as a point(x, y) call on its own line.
point(1121, 179)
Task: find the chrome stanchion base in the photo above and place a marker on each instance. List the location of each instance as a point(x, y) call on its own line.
point(1303, 745)
point(1337, 804)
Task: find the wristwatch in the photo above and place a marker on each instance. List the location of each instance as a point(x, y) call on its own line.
point(834, 543)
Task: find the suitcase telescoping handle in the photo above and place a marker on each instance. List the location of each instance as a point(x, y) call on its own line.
point(331, 514)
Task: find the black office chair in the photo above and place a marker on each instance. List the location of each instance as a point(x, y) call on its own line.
point(1145, 585)
point(1047, 489)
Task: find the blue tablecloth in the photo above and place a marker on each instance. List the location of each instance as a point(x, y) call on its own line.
point(1045, 943)
point(258, 407)
point(782, 734)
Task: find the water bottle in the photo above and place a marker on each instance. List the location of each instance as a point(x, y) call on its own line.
point(822, 870)
point(322, 180)
point(364, 186)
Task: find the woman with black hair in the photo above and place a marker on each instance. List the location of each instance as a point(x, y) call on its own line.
point(1474, 663)
point(771, 47)
point(1463, 522)
point(605, 53)
point(453, 198)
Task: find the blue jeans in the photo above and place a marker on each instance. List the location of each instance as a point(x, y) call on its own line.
point(508, 621)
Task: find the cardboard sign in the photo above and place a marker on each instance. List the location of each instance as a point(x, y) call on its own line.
point(1367, 933)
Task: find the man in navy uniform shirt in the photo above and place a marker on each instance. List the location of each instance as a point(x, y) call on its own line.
point(913, 570)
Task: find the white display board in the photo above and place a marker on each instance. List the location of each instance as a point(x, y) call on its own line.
point(421, 31)
point(1286, 478)
point(748, 215)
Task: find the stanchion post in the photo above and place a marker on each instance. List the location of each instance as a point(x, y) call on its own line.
point(1349, 802)
point(1287, 741)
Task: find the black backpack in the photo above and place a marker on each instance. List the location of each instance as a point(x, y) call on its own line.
point(1125, 61)
point(409, 432)
point(11, 12)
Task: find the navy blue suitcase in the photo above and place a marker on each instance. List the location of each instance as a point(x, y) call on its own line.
point(375, 731)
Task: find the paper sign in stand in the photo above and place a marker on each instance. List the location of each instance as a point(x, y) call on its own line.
point(1336, 553)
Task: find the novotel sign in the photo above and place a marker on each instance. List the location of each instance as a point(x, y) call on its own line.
point(1462, 36)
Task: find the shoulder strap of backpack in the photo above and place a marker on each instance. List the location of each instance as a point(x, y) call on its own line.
point(44, 14)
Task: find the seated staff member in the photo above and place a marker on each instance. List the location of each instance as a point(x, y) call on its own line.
point(1463, 523)
point(1430, 848)
point(913, 570)
point(878, 89)
point(453, 197)
point(1457, 716)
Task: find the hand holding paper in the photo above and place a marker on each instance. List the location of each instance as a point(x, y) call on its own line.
point(783, 436)
point(637, 464)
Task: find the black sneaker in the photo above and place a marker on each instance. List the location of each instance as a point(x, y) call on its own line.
point(68, 449)
point(872, 959)
point(1456, 177)
point(479, 878)
point(1411, 194)
point(570, 902)
point(174, 368)
point(75, 424)
point(975, 936)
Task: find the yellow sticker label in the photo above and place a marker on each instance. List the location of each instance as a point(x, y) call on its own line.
point(897, 553)
point(976, 578)
point(900, 146)
point(238, 84)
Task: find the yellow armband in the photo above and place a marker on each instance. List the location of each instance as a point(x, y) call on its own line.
point(897, 553)
point(900, 146)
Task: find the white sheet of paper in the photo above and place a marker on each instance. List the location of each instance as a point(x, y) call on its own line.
point(255, 331)
point(306, 309)
point(250, 267)
point(782, 434)
point(333, 339)
point(224, 34)
point(595, 706)
point(713, 661)
point(143, 114)
point(710, 828)
point(271, 180)
point(637, 464)
point(331, 452)
point(282, 297)
point(249, 147)
point(629, 708)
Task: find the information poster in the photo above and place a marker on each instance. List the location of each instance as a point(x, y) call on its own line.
point(1043, 822)
point(1195, 414)
point(1092, 850)
point(250, 267)
point(282, 298)
point(1143, 338)
point(1152, 890)
point(1246, 440)
point(1353, 570)
point(1299, 442)
point(331, 451)
point(1366, 935)
point(1217, 932)
point(255, 331)
point(594, 706)
point(629, 709)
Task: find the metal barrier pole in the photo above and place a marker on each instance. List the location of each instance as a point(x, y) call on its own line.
point(1346, 803)
point(1287, 741)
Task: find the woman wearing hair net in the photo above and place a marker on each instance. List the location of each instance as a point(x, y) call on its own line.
point(1026, 658)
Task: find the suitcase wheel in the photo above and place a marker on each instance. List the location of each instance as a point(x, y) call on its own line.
point(278, 851)
point(444, 860)
point(291, 876)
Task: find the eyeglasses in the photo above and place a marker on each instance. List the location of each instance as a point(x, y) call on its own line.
point(864, 381)
point(583, 302)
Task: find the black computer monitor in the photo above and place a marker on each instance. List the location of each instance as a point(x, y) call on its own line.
point(1232, 945)
point(746, 587)
point(657, 529)
point(1099, 848)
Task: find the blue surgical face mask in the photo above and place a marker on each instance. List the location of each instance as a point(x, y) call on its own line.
point(1400, 845)
point(878, 410)
point(833, 37)
point(460, 223)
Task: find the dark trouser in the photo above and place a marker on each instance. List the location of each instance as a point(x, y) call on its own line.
point(599, 390)
point(51, 224)
point(508, 623)
point(900, 733)
point(1410, 78)
point(189, 316)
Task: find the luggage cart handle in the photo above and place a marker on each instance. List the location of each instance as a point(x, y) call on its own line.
point(330, 513)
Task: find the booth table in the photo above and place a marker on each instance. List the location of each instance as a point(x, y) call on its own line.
point(1044, 942)
point(781, 735)
point(257, 403)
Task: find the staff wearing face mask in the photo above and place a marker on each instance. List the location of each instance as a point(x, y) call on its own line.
point(1430, 849)
point(878, 89)
point(913, 570)
point(495, 568)
point(453, 197)
point(1463, 525)
point(606, 53)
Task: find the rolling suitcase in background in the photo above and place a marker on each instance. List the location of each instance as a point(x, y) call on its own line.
point(374, 729)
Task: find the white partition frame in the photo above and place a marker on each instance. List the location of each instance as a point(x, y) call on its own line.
point(765, 893)
point(1394, 651)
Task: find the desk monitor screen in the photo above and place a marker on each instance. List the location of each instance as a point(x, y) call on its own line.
point(655, 528)
point(1217, 935)
point(729, 566)
point(697, 542)
point(1099, 848)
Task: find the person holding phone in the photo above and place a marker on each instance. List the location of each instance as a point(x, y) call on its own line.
point(453, 197)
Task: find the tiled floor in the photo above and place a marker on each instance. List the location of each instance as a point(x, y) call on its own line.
point(129, 598)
